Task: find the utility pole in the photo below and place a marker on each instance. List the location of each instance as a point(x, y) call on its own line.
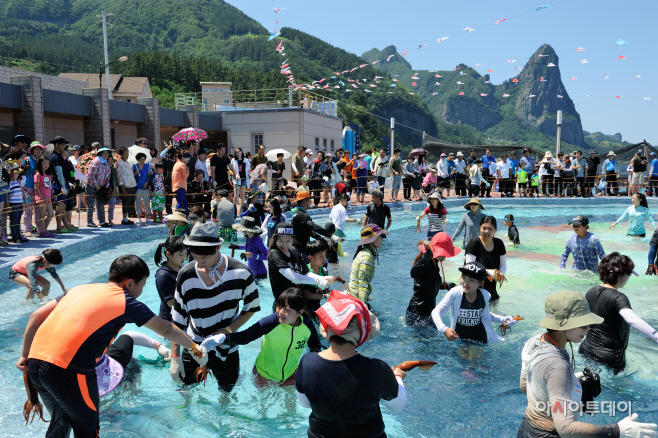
point(559, 132)
point(392, 146)
point(103, 17)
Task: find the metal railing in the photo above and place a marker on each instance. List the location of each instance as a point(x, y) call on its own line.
point(273, 98)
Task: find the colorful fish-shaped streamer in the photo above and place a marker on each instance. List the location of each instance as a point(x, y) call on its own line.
point(483, 94)
point(550, 64)
point(461, 94)
point(442, 39)
point(515, 80)
point(620, 42)
point(420, 46)
point(405, 53)
point(468, 29)
point(505, 95)
point(580, 49)
point(621, 57)
point(389, 58)
point(500, 21)
point(541, 7)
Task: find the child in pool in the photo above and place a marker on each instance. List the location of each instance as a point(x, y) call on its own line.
point(286, 333)
point(334, 250)
point(24, 272)
point(165, 277)
point(512, 231)
point(254, 249)
point(316, 251)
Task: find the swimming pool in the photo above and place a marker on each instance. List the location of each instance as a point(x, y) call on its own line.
point(455, 398)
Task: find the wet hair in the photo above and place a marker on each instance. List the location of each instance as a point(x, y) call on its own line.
point(489, 220)
point(316, 247)
point(52, 256)
point(159, 166)
point(276, 206)
point(293, 297)
point(614, 266)
point(203, 250)
point(124, 149)
point(140, 155)
point(643, 200)
point(39, 168)
point(329, 226)
point(128, 267)
point(378, 193)
point(172, 245)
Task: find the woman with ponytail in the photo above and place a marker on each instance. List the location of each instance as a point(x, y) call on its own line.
point(426, 272)
point(175, 253)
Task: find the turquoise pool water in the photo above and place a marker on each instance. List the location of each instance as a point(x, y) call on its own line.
point(455, 398)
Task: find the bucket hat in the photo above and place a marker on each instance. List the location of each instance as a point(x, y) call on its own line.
point(369, 234)
point(177, 216)
point(473, 201)
point(301, 195)
point(612, 153)
point(109, 374)
point(435, 195)
point(441, 245)
point(204, 235)
point(253, 192)
point(35, 144)
point(58, 139)
point(247, 224)
point(566, 310)
point(348, 317)
point(548, 155)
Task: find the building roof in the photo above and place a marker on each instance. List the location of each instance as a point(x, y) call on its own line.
point(122, 84)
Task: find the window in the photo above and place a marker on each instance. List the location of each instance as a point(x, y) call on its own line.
point(317, 143)
point(227, 100)
point(324, 144)
point(205, 104)
point(257, 141)
point(332, 145)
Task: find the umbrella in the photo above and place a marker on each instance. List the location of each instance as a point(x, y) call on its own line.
point(271, 155)
point(190, 134)
point(418, 151)
point(85, 159)
point(134, 150)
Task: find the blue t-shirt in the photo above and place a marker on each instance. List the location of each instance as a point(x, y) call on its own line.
point(29, 173)
point(654, 167)
point(143, 175)
point(611, 165)
point(514, 165)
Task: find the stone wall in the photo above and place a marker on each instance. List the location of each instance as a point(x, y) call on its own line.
point(48, 82)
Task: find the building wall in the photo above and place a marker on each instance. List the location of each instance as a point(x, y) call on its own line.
point(71, 129)
point(322, 128)
point(7, 119)
point(125, 134)
point(48, 82)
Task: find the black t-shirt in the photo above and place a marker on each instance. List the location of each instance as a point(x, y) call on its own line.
point(607, 341)
point(640, 165)
point(513, 234)
point(378, 215)
point(490, 260)
point(305, 228)
point(221, 168)
point(427, 281)
point(469, 321)
point(56, 160)
point(278, 260)
point(592, 165)
point(191, 166)
point(276, 166)
point(345, 394)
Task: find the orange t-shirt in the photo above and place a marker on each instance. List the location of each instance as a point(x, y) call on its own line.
point(179, 175)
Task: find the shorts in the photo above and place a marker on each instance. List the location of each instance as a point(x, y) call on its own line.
point(60, 198)
point(14, 275)
point(241, 183)
point(397, 179)
point(528, 430)
point(638, 178)
point(2, 197)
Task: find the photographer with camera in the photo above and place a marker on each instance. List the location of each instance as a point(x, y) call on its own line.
point(607, 342)
point(550, 383)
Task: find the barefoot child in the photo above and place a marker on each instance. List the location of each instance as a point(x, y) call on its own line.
point(24, 272)
point(254, 249)
point(43, 196)
point(286, 333)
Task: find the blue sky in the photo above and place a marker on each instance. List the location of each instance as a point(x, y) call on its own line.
point(358, 26)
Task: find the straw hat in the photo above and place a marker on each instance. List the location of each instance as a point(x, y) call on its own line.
point(177, 216)
point(612, 153)
point(301, 195)
point(548, 155)
point(369, 234)
point(204, 235)
point(247, 224)
point(566, 310)
point(441, 245)
point(473, 201)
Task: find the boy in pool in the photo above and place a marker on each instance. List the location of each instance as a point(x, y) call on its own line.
point(254, 248)
point(316, 251)
point(24, 272)
point(585, 247)
point(512, 231)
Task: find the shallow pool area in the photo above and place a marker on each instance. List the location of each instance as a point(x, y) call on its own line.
point(455, 398)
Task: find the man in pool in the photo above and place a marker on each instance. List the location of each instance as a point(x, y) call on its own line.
point(64, 337)
point(585, 247)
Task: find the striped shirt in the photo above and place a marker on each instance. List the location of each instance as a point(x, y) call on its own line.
point(201, 310)
point(15, 193)
point(362, 273)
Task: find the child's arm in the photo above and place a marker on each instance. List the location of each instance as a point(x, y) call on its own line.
point(37, 183)
point(261, 328)
point(439, 310)
point(261, 250)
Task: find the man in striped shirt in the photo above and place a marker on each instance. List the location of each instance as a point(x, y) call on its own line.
point(206, 303)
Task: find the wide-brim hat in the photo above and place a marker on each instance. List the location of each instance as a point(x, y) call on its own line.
point(109, 374)
point(369, 234)
point(22, 138)
point(548, 155)
point(253, 192)
point(566, 310)
point(612, 153)
point(441, 245)
point(301, 195)
point(435, 195)
point(58, 139)
point(285, 181)
point(247, 224)
point(177, 216)
point(348, 317)
point(12, 167)
point(35, 144)
point(206, 234)
point(473, 201)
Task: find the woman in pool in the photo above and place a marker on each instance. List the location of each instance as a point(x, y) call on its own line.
point(490, 251)
point(426, 272)
point(470, 221)
point(636, 214)
point(363, 266)
point(607, 342)
point(342, 387)
point(548, 378)
point(436, 213)
point(284, 328)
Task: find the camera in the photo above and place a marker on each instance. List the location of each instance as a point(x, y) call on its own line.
point(591, 383)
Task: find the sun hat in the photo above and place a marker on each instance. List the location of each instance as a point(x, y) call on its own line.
point(369, 234)
point(348, 317)
point(285, 181)
point(253, 192)
point(548, 155)
point(443, 155)
point(441, 245)
point(58, 139)
point(509, 217)
point(247, 224)
point(177, 216)
point(301, 195)
point(581, 219)
point(460, 154)
point(566, 310)
point(435, 195)
point(33, 144)
point(433, 170)
point(206, 234)
point(474, 269)
point(473, 201)
point(284, 229)
point(451, 154)
point(612, 153)
point(304, 178)
point(109, 374)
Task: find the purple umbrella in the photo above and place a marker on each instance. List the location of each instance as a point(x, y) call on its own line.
point(418, 151)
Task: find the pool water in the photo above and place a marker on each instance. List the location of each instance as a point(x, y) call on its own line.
point(455, 398)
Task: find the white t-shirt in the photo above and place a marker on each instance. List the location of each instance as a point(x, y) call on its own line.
point(503, 168)
point(338, 216)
